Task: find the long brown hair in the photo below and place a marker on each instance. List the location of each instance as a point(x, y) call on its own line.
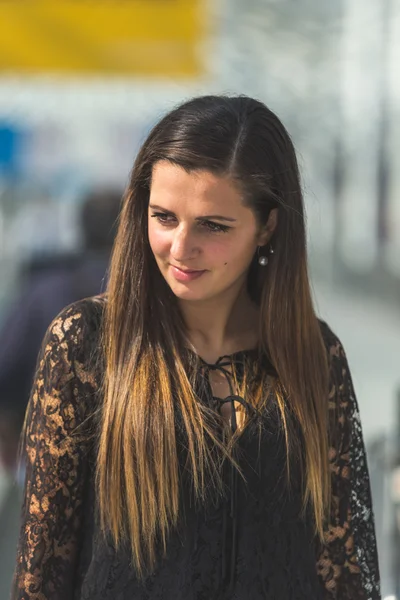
point(147, 382)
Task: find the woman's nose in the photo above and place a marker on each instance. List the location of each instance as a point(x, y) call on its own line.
point(182, 247)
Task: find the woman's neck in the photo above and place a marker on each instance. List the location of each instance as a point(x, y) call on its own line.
point(221, 326)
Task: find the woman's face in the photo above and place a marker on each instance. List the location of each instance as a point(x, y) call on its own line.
point(202, 236)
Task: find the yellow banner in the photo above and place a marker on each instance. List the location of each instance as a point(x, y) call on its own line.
point(138, 37)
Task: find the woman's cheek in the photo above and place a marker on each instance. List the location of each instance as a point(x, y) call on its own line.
point(220, 252)
point(158, 239)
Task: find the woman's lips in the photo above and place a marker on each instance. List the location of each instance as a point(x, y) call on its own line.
point(181, 275)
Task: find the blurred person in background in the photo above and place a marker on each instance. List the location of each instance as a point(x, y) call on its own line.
point(47, 285)
point(194, 432)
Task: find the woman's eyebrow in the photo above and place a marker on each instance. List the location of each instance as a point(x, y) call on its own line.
point(219, 217)
point(202, 218)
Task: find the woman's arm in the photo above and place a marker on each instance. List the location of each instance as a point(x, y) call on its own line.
point(55, 455)
point(348, 563)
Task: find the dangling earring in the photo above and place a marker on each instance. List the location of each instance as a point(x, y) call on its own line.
point(263, 260)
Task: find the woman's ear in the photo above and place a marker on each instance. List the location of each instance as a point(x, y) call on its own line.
point(269, 228)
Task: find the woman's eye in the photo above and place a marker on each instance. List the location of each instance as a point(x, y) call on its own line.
point(215, 227)
point(210, 226)
point(163, 217)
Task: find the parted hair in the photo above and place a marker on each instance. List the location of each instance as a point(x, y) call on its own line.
point(147, 380)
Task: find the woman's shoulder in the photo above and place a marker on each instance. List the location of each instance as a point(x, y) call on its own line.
point(341, 392)
point(79, 318)
point(87, 307)
point(75, 332)
point(332, 343)
point(70, 366)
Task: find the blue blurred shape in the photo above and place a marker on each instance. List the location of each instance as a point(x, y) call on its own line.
point(9, 148)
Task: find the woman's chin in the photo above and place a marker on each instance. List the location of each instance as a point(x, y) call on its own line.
point(187, 294)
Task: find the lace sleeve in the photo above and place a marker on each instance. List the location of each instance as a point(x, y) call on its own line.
point(348, 564)
point(55, 449)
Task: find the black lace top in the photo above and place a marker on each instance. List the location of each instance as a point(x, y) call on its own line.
point(252, 544)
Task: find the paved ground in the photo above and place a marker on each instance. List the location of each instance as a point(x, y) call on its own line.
point(9, 517)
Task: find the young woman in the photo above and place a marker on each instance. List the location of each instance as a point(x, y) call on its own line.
point(194, 433)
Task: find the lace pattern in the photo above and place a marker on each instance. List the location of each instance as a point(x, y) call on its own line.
point(53, 544)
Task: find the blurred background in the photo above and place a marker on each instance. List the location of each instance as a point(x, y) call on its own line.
point(81, 84)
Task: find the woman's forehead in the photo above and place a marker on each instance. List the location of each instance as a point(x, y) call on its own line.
point(172, 185)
